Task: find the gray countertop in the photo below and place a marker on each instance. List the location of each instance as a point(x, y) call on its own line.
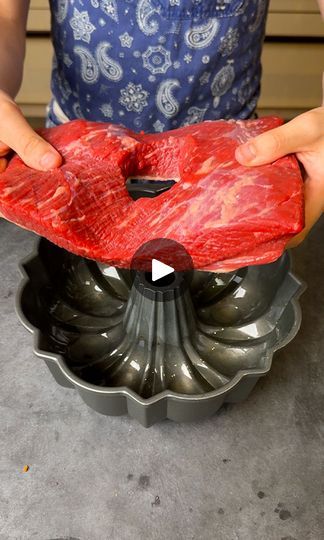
point(254, 471)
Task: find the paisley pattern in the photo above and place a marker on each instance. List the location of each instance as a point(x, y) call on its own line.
point(61, 11)
point(202, 36)
point(165, 101)
point(195, 115)
point(144, 12)
point(261, 9)
point(156, 59)
point(156, 64)
point(223, 81)
point(89, 67)
point(133, 97)
point(109, 7)
point(110, 68)
point(81, 26)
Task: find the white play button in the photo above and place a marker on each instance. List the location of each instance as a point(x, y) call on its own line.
point(160, 270)
point(157, 280)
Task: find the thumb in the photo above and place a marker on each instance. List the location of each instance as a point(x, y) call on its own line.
point(273, 144)
point(16, 133)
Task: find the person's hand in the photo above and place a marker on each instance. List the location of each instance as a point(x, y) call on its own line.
point(304, 136)
point(16, 134)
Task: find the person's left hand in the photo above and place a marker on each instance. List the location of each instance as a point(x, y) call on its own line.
point(304, 136)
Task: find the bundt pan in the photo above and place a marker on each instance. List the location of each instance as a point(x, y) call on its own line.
point(127, 348)
point(181, 358)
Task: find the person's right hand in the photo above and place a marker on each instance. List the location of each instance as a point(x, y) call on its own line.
point(16, 134)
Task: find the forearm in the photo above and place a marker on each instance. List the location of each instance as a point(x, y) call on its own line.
point(12, 44)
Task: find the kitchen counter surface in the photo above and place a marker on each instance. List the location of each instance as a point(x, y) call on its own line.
point(254, 471)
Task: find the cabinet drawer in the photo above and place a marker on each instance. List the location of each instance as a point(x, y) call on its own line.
point(295, 25)
point(39, 19)
point(289, 18)
point(35, 90)
point(39, 4)
point(292, 76)
point(294, 6)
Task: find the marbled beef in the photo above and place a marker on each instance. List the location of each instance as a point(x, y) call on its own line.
point(224, 214)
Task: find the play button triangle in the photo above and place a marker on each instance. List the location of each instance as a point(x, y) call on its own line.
point(160, 270)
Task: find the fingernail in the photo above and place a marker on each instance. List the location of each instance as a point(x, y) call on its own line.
point(246, 152)
point(49, 161)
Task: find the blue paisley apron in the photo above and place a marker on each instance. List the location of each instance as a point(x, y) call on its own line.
point(155, 65)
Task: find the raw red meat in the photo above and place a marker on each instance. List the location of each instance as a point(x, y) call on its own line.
point(224, 214)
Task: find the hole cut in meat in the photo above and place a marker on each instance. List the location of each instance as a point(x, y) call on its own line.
point(147, 187)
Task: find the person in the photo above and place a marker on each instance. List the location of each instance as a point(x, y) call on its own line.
point(154, 65)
